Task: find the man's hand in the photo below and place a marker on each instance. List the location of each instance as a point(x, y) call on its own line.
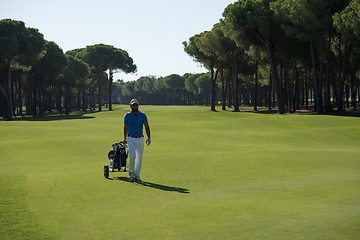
point(148, 142)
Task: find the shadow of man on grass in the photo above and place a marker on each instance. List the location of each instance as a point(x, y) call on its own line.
point(155, 185)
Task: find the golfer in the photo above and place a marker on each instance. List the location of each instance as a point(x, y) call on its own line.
point(133, 136)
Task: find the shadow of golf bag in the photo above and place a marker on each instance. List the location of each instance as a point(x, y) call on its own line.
point(117, 156)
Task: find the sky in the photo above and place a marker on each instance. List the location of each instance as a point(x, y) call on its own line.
point(151, 31)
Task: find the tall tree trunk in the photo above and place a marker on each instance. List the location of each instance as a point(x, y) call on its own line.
point(275, 77)
point(307, 91)
point(316, 80)
point(67, 99)
point(50, 97)
point(78, 100)
point(110, 88)
point(328, 105)
point(3, 102)
point(301, 91)
point(270, 90)
point(340, 85)
point(84, 100)
point(213, 89)
point(290, 87)
point(285, 71)
point(59, 99)
point(230, 93)
point(35, 98)
point(13, 94)
point(227, 90)
point(20, 96)
point(344, 71)
point(28, 99)
point(256, 87)
point(41, 98)
point(235, 84)
point(213, 92)
point(353, 89)
point(99, 86)
point(16, 95)
point(347, 90)
point(296, 101)
point(8, 95)
point(223, 90)
point(320, 87)
point(348, 50)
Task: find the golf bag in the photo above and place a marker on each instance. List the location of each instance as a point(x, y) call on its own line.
point(117, 156)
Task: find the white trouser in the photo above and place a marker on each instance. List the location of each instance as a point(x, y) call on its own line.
point(136, 149)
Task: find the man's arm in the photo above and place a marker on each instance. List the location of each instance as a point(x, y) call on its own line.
point(125, 132)
point(147, 128)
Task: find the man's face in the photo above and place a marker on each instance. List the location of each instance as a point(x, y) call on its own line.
point(134, 107)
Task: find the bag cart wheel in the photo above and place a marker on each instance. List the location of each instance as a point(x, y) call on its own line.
point(106, 171)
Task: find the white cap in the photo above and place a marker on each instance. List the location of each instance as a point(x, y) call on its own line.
point(133, 101)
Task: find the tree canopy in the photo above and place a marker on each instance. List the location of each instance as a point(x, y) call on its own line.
point(37, 71)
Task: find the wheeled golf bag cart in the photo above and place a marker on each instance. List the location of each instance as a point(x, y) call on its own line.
point(117, 156)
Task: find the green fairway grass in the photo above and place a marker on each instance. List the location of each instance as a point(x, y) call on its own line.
point(206, 175)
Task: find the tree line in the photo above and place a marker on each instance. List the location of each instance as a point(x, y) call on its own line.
point(290, 51)
point(188, 89)
point(36, 76)
point(283, 54)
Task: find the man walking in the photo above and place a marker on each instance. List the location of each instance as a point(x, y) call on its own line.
point(133, 136)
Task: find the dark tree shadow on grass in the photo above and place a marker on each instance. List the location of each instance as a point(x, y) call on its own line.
point(269, 111)
point(153, 185)
point(54, 117)
point(348, 113)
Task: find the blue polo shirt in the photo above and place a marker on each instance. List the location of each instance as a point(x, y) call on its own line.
point(135, 123)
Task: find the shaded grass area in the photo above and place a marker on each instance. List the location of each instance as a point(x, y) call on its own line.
point(207, 175)
point(56, 117)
